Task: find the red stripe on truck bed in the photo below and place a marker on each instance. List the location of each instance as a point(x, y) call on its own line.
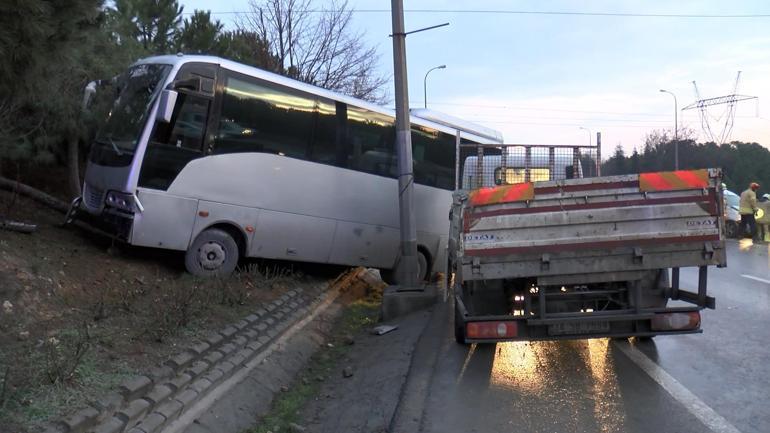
point(708, 200)
point(555, 248)
point(674, 180)
point(586, 187)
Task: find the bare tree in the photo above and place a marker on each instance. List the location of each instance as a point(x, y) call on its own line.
point(317, 45)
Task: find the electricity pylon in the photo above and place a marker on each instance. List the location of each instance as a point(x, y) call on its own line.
point(729, 114)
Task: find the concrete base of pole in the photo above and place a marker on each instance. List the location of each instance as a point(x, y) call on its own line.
point(399, 301)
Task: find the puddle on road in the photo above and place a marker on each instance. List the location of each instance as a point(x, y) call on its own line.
point(538, 369)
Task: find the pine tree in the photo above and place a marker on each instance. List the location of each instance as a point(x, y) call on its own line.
point(50, 51)
point(152, 24)
point(199, 34)
point(248, 48)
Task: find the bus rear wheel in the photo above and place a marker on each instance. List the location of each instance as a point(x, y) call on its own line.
point(423, 271)
point(213, 253)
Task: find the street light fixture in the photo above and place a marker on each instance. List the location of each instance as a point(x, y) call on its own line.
point(425, 84)
point(676, 131)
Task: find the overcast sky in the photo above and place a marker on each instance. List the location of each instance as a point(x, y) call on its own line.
point(538, 78)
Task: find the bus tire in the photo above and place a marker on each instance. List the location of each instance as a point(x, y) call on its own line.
point(213, 253)
point(731, 229)
point(423, 271)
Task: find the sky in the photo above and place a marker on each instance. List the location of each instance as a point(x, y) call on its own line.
point(540, 78)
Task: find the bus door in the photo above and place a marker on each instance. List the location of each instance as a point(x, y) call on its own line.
point(167, 219)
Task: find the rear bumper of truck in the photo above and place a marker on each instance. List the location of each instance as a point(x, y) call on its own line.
point(614, 324)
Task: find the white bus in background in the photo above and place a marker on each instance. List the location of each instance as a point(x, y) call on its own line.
point(225, 161)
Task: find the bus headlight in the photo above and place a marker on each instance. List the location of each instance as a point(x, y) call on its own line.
point(123, 201)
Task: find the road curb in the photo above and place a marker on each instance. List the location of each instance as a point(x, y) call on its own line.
point(408, 414)
point(147, 403)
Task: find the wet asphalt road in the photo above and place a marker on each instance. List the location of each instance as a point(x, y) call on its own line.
point(715, 381)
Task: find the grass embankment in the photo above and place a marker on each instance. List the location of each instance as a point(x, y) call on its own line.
point(78, 315)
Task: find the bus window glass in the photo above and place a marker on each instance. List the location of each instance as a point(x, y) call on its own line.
point(370, 139)
point(433, 155)
point(135, 92)
point(261, 117)
point(327, 144)
point(175, 144)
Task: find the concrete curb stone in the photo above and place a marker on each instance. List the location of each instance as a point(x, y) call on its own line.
point(112, 425)
point(179, 382)
point(146, 403)
point(151, 423)
point(81, 419)
point(134, 387)
point(158, 394)
point(180, 360)
point(135, 410)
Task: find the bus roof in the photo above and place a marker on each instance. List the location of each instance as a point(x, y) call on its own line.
point(434, 119)
point(456, 122)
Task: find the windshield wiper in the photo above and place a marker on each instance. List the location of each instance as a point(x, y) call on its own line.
point(112, 143)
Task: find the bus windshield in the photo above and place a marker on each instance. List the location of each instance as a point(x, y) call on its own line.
point(135, 90)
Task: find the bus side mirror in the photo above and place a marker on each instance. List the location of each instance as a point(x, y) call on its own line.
point(166, 105)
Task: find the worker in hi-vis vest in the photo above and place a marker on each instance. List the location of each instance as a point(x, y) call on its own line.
point(748, 210)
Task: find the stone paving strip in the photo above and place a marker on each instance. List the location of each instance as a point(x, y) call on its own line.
point(148, 403)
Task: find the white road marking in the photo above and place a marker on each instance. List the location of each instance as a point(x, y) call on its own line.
point(707, 415)
point(755, 278)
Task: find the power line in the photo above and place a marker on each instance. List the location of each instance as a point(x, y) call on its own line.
point(508, 107)
point(582, 119)
point(526, 12)
point(572, 125)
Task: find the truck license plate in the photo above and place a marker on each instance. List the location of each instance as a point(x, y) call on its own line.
point(579, 328)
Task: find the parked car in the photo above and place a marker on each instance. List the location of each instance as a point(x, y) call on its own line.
point(732, 215)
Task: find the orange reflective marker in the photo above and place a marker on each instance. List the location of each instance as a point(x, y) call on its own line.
point(674, 180)
point(503, 194)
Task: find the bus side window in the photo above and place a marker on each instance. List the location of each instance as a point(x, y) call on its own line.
point(433, 153)
point(187, 124)
point(370, 141)
point(261, 117)
point(569, 172)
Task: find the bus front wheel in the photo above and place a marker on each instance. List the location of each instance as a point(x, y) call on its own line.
point(213, 253)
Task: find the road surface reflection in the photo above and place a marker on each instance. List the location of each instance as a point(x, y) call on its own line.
point(538, 369)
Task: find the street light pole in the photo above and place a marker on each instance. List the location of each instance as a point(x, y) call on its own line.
point(676, 130)
point(589, 134)
point(407, 265)
point(425, 84)
point(589, 138)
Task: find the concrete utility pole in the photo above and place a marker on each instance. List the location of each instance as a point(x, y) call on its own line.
point(407, 265)
point(676, 130)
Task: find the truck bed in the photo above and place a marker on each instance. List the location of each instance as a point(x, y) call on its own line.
point(578, 227)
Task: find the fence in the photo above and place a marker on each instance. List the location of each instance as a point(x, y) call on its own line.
point(482, 165)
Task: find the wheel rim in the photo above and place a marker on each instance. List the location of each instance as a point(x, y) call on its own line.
point(211, 255)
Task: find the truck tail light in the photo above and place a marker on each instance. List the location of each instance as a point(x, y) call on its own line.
point(675, 321)
point(491, 330)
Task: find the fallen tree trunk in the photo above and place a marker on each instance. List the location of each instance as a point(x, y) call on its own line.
point(16, 226)
point(35, 194)
point(48, 200)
